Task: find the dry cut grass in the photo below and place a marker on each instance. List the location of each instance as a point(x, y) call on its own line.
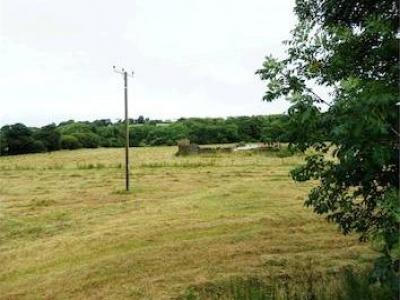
point(67, 229)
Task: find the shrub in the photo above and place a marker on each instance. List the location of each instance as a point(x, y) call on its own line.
point(37, 147)
point(88, 140)
point(70, 142)
point(49, 136)
point(171, 143)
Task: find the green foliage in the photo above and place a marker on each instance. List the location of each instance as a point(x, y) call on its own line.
point(37, 147)
point(351, 47)
point(234, 289)
point(72, 127)
point(144, 132)
point(3, 144)
point(70, 142)
point(87, 140)
point(19, 139)
point(347, 285)
point(49, 136)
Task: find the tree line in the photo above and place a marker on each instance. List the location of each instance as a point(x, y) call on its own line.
point(21, 139)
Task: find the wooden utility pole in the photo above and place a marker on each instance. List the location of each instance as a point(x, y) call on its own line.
point(126, 74)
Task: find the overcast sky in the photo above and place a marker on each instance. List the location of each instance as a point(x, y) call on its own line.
point(191, 57)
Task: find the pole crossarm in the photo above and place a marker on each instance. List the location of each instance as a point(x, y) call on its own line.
point(122, 71)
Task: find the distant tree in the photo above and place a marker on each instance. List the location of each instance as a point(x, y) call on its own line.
point(152, 122)
point(70, 142)
point(274, 130)
point(65, 123)
point(3, 144)
point(87, 140)
point(250, 129)
point(19, 139)
point(138, 135)
point(37, 146)
point(140, 120)
point(76, 127)
point(49, 136)
point(102, 123)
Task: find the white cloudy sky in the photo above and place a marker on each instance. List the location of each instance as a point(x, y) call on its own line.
point(191, 57)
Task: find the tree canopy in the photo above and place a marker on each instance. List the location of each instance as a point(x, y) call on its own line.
point(351, 48)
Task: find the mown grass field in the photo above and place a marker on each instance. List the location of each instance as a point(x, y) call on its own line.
point(67, 229)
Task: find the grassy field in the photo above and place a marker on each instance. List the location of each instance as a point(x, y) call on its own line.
point(67, 229)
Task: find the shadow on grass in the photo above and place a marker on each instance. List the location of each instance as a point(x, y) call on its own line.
point(348, 285)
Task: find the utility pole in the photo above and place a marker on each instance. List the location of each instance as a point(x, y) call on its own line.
point(125, 75)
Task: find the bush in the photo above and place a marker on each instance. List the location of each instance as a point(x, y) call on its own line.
point(88, 140)
point(37, 147)
point(114, 142)
point(49, 136)
point(70, 142)
point(170, 143)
